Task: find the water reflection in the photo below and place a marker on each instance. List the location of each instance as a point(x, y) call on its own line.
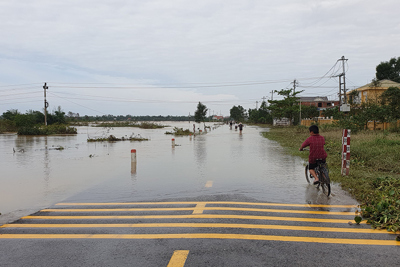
point(200, 151)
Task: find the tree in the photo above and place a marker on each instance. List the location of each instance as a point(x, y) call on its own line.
point(391, 99)
point(335, 113)
point(201, 113)
point(389, 70)
point(59, 115)
point(10, 114)
point(238, 113)
point(287, 107)
point(261, 115)
point(309, 112)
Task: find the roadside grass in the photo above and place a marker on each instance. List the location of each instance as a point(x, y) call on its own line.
point(374, 178)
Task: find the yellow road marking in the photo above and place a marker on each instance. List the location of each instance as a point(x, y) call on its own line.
point(191, 216)
point(206, 236)
point(210, 202)
point(202, 225)
point(199, 208)
point(178, 259)
point(204, 208)
point(209, 184)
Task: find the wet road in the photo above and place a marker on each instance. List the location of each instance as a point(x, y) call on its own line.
point(228, 199)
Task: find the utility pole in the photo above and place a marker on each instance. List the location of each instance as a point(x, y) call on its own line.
point(46, 104)
point(343, 59)
point(294, 85)
point(272, 95)
point(340, 91)
point(256, 105)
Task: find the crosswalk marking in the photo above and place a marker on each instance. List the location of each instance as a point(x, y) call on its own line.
point(188, 220)
point(201, 225)
point(178, 259)
point(206, 236)
point(191, 216)
point(202, 205)
point(209, 184)
point(199, 208)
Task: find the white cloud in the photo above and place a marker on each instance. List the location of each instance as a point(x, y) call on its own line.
point(164, 42)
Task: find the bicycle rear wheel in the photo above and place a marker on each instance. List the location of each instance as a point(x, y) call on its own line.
point(325, 181)
point(307, 177)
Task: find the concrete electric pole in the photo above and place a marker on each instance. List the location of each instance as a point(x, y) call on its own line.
point(46, 104)
point(343, 74)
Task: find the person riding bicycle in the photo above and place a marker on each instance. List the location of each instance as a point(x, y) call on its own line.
point(317, 151)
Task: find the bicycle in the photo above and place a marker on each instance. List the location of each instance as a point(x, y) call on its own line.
point(322, 172)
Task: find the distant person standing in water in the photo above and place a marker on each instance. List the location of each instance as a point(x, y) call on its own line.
point(240, 127)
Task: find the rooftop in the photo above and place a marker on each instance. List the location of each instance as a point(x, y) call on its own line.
point(382, 84)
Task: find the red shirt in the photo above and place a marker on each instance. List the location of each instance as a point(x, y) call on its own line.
point(317, 151)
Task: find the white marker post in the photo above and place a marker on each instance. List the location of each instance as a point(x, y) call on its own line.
point(173, 142)
point(133, 161)
point(346, 152)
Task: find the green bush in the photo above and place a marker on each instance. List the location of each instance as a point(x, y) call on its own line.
point(381, 208)
point(7, 126)
point(180, 131)
point(47, 130)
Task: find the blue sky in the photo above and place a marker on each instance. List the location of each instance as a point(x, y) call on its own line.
point(163, 57)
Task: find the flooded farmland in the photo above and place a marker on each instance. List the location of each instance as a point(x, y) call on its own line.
point(39, 171)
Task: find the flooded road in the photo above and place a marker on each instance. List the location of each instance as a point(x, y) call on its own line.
point(219, 164)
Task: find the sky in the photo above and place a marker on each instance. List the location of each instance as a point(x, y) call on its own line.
point(163, 57)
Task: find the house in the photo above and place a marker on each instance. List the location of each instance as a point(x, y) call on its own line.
point(370, 92)
point(216, 117)
point(321, 102)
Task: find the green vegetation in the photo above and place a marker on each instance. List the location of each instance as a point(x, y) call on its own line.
point(238, 113)
point(201, 113)
point(261, 115)
point(389, 70)
point(47, 130)
point(112, 138)
point(32, 123)
point(180, 131)
point(374, 178)
point(287, 107)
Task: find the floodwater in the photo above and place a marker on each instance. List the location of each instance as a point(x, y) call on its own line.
point(221, 162)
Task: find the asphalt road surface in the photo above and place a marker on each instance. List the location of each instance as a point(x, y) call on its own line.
point(195, 233)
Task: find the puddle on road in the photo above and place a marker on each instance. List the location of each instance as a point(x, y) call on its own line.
point(247, 165)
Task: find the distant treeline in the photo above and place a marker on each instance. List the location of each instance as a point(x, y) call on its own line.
point(76, 117)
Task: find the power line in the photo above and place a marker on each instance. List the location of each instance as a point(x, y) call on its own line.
point(20, 94)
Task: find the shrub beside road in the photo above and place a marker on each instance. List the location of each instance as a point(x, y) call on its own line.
point(374, 178)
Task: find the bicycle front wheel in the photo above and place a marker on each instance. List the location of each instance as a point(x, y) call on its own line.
point(307, 177)
point(325, 182)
